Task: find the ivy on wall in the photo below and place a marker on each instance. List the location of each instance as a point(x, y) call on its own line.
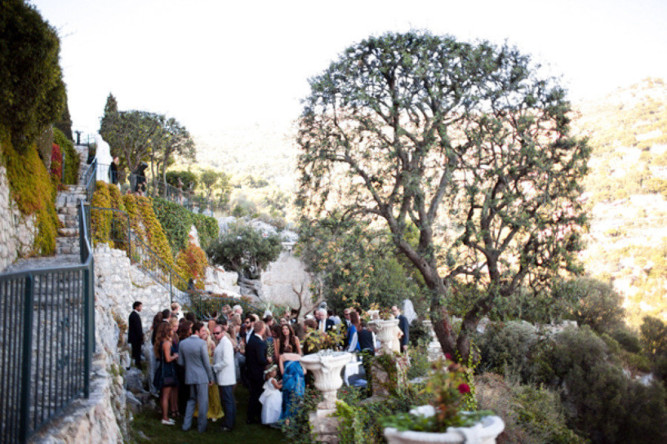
point(33, 192)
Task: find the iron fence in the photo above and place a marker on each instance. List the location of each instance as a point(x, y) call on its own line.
point(47, 336)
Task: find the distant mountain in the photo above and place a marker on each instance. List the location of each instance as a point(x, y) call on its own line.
point(626, 190)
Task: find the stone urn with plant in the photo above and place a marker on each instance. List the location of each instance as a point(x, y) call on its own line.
point(444, 419)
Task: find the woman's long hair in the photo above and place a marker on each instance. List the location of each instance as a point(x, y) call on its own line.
point(163, 334)
point(284, 340)
point(355, 320)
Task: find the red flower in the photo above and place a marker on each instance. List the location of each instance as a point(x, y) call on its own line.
point(464, 388)
point(448, 356)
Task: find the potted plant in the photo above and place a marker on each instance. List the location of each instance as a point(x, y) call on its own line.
point(444, 419)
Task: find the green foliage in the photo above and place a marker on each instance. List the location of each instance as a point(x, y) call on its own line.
point(135, 136)
point(506, 348)
point(72, 159)
point(175, 220)
point(356, 265)
point(207, 228)
point(297, 429)
point(33, 92)
point(654, 336)
point(33, 192)
point(363, 423)
point(188, 179)
point(100, 220)
point(605, 405)
point(594, 303)
point(466, 142)
point(532, 415)
point(245, 250)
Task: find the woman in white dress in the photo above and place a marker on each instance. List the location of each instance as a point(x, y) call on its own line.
point(272, 397)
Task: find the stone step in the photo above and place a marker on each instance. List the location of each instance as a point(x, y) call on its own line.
point(67, 245)
point(68, 232)
point(43, 262)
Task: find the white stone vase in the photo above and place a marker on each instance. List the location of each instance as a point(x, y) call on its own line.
point(326, 366)
point(387, 333)
point(484, 432)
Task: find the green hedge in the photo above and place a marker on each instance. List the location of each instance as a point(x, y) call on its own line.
point(176, 222)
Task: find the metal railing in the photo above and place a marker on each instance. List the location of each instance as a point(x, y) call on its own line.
point(187, 199)
point(89, 180)
point(47, 337)
point(120, 234)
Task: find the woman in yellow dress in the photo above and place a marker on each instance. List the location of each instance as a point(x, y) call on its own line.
point(215, 411)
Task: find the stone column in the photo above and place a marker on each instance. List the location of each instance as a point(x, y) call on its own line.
point(326, 366)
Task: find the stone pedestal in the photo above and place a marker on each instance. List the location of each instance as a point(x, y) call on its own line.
point(326, 366)
point(324, 426)
point(385, 380)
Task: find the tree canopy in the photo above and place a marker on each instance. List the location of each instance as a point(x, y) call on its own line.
point(245, 250)
point(33, 92)
point(463, 141)
point(136, 136)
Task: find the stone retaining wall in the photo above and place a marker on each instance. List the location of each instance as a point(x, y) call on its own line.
point(17, 234)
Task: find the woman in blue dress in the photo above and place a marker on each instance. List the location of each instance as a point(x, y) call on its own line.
point(294, 383)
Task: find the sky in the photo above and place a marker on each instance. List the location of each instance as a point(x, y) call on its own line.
point(214, 65)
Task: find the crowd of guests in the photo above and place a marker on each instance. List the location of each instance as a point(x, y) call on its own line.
point(198, 362)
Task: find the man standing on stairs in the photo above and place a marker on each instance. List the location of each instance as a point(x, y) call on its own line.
point(135, 333)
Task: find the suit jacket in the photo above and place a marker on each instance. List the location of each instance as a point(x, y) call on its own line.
point(404, 325)
point(255, 358)
point(193, 355)
point(223, 362)
point(135, 332)
point(328, 324)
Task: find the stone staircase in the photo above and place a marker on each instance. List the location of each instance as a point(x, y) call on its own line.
point(67, 242)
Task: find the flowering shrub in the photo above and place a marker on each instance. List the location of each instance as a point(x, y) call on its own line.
point(446, 390)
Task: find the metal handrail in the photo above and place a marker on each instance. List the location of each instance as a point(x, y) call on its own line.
point(47, 334)
point(89, 179)
point(139, 252)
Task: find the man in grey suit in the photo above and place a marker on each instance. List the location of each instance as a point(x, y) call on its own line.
point(193, 355)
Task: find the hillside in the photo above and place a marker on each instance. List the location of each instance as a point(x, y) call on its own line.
point(626, 190)
point(626, 187)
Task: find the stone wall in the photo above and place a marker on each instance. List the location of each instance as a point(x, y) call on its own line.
point(282, 278)
point(17, 234)
point(105, 417)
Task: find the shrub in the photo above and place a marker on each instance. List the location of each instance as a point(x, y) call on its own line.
point(56, 165)
point(72, 160)
point(531, 415)
point(33, 92)
point(175, 221)
point(596, 304)
point(506, 347)
point(33, 192)
point(207, 227)
point(602, 403)
point(101, 219)
point(192, 263)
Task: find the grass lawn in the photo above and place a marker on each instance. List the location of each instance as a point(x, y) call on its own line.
point(146, 427)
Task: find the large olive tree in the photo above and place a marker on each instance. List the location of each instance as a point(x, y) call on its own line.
point(465, 143)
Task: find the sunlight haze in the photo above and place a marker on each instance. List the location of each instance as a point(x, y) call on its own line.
point(217, 65)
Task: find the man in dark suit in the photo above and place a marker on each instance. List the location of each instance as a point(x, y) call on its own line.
point(404, 325)
point(256, 361)
point(135, 333)
point(193, 355)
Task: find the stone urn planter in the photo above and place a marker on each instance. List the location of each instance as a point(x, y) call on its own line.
point(326, 367)
point(387, 333)
point(484, 432)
